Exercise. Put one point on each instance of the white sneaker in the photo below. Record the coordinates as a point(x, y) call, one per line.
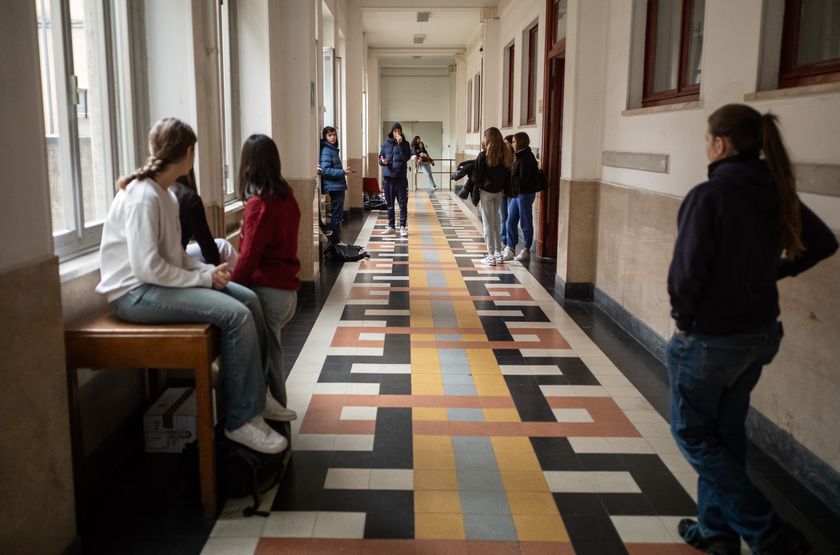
point(259, 436)
point(523, 255)
point(390, 231)
point(403, 232)
point(507, 254)
point(275, 411)
point(498, 257)
point(490, 260)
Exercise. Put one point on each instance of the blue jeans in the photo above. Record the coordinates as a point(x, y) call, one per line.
point(337, 213)
point(427, 169)
point(279, 307)
point(236, 311)
point(503, 216)
point(711, 380)
point(521, 213)
point(396, 188)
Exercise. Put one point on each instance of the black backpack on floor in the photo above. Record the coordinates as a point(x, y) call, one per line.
point(345, 253)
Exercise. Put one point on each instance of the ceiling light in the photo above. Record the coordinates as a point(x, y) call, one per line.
point(422, 17)
point(418, 39)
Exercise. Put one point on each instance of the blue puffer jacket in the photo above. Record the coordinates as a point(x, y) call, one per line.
point(397, 154)
point(332, 173)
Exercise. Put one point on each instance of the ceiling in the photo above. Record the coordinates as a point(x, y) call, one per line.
point(390, 29)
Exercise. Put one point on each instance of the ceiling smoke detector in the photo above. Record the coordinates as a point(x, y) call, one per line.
point(418, 39)
point(422, 17)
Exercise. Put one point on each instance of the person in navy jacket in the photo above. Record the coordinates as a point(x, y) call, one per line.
point(393, 157)
point(739, 232)
point(333, 180)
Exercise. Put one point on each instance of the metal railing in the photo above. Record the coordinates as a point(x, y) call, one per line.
point(448, 163)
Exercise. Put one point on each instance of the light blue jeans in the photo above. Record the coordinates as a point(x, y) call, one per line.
point(427, 169)
point(236, 311)
point(279, 308)
point(711, 379)
point(488, 207)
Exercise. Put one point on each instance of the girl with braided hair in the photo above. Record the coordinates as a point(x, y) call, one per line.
point(149, 279)
point(739, 232)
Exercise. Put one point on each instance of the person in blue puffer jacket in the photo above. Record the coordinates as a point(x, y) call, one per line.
point(393, 157)
point(333, 180)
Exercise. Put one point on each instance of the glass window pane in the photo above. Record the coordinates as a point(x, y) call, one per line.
point(61, 201)
point(819, 32)
point(667, 53)
point(695, 44)
point(560, 16)
point(90, 110)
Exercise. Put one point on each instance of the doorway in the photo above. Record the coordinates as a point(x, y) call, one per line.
point(552, 147)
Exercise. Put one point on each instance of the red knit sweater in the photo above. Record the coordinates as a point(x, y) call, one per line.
point(268, 244)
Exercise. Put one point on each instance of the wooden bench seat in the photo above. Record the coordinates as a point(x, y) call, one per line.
point(103, 341)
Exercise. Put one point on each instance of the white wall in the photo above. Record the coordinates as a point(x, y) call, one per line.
point(254, 89)
point(25, 223)
point(417, 98)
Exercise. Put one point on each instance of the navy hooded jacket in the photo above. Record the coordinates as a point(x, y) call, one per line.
point(727, 257)
point(397, 154)
point(332, 173)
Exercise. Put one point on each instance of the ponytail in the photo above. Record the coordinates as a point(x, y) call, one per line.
point(789, 215)
point(169, 139)
point(751, 132)
point(148, 171)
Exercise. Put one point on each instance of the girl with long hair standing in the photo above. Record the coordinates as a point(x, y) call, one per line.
point(739, 232)
point(268, 262)
point(149, 279)
point(492, 172)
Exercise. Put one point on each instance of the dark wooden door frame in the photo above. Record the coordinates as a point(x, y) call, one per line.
point(552, 133)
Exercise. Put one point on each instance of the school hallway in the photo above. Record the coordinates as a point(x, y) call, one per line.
point(447, 407)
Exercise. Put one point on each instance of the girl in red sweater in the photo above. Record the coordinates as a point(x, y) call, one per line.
point(268, 239)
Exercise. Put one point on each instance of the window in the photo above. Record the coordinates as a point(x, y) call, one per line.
point(673, 48)
point(509, 66)
point(531, 107)
point(79, 117)
point(469, 106)
point(810, 43)
point(477, 103)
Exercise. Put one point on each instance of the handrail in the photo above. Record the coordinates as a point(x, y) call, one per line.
point(449, 162)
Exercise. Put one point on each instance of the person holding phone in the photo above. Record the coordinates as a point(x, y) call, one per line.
point(394, 157)
point(333, 180)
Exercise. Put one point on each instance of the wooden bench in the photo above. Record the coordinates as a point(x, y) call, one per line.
point(101, 340)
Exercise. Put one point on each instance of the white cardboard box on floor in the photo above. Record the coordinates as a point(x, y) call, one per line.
point(169, 424)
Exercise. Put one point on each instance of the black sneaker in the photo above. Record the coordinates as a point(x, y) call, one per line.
point(723, 545)
point(787, 541)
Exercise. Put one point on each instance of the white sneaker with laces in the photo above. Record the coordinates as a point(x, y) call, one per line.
point(403, 232)
point(490, 260)
point(523, 255)
point(259, 436)
point(498, 257)
point(390, 231)
point(275, 411)
point(508, 254)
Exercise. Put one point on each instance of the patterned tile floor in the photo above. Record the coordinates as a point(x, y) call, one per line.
point(450, 407)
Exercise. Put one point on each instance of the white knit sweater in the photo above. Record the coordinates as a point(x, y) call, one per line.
point(141, 243)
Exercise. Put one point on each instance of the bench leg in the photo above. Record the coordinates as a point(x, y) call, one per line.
point(206, 440)
point(76, 445)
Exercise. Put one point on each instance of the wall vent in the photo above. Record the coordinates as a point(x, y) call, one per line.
point(418, 39)
point(422, 17)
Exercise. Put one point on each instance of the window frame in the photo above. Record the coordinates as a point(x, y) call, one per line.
point(531, 87)
point(477, 103)
point(469, 105)
point(109, 19)
point(510, 56)
point(792, 74)
point(683, 92)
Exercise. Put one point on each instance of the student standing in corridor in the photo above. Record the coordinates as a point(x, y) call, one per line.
point(393, 157)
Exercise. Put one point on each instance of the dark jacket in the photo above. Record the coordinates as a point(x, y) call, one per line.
point(487, 178)
point(418, 151)
point(526, 172)
point(727, 257)
point(397, 154)
point(332, 172)
point(194, 223)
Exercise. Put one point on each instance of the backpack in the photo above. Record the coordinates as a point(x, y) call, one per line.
point(542, 182)
point(240, 471)
point(345, 253)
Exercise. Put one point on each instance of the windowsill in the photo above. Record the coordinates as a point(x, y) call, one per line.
point(694, 105)
point(793, 92)
point(233, 215)
point(528, 126)
point(78, 266)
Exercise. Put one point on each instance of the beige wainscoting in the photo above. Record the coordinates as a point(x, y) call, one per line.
point(36, 475)
point(308, 243)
